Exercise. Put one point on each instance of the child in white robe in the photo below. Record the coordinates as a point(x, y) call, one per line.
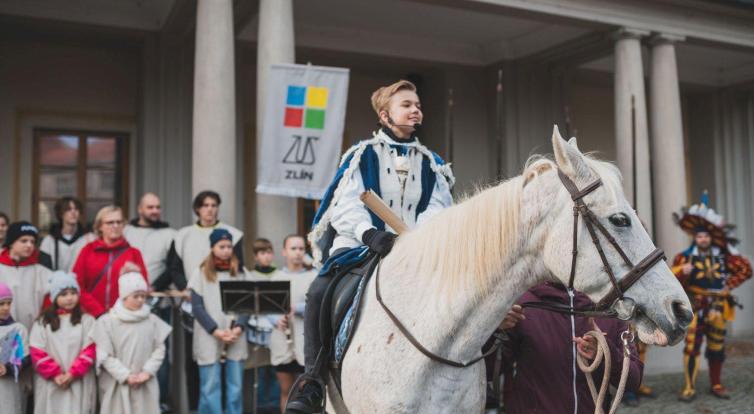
point(130, 348)
point(14, 352)
point(62, 353)
point(217, 336)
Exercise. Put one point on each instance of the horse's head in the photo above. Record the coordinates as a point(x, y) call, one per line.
point(663, 310)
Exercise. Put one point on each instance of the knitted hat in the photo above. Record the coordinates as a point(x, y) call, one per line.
point(219, 234)
point(61, 281)
point(130, 283)
point(5, 292)
point(18, 230)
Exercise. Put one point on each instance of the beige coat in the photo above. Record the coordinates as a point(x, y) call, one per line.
point(282, 351)
point(29, 285)
point(64, 345)
point(208, 349)
point(129, 343)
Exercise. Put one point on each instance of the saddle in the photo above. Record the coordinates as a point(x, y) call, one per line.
point(340, 311)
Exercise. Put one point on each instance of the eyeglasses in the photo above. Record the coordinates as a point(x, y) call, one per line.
point(112, 223)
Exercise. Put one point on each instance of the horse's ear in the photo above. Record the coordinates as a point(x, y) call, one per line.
point(567, 155)
point(573, 143)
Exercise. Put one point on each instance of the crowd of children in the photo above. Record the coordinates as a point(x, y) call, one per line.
point(58, 357)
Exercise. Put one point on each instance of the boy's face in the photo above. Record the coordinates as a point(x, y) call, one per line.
point(264, 258)
point(5, 308)
point(294, 251)
point(23, 247)
point(208, 211)
point(71, 215)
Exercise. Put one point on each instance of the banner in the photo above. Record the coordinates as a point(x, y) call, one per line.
point(302, 130)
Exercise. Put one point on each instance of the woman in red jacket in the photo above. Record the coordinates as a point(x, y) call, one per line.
point(100, 262)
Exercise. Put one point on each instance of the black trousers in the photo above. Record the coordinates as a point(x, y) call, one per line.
point(312, 340)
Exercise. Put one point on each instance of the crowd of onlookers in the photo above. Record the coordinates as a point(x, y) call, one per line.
point(88, 316)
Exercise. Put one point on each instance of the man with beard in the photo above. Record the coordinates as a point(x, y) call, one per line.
point(151, 236)
point(709, 269)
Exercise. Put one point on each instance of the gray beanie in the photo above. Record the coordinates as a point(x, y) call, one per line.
point(60, 281)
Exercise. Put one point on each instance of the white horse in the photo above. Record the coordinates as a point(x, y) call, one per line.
point(452, 280)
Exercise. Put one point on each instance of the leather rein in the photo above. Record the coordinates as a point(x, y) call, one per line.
point(605, 308)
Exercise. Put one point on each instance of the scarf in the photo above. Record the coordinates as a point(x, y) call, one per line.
point(265, 269)
point(120, 312)
point(222, 265)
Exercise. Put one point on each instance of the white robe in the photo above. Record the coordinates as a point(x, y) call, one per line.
point(192, 244)
point(154, 245)
point(11, 393)
point(29, 285)
point(208, 349)
point(67, 253)
point(63, 346)
point(281, 351)
point(128, 346)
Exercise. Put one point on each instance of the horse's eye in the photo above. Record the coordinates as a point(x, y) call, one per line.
point(620, 220)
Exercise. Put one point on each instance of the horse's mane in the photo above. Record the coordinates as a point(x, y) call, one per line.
point(465, 246)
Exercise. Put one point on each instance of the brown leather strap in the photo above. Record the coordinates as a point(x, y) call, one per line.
point(592, 222)
point(633, 276)
point(603, 257)
point(609, 237)
point(418, 345)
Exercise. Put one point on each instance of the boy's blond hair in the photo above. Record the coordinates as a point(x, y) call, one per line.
point(381, 97)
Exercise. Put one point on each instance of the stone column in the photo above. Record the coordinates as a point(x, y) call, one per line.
point(276, 216)
point(632, 141)
point(669, 157)
point(214, 119)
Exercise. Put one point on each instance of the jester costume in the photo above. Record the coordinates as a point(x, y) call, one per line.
point(714, 271)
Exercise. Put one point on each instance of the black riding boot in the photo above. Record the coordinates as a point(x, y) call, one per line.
point(310, 397)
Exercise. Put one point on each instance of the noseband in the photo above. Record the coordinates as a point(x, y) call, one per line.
point(615, 304)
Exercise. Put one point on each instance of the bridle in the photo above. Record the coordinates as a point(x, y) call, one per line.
point(615, 304)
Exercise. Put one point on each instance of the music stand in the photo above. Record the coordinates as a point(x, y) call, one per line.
point(255, 298)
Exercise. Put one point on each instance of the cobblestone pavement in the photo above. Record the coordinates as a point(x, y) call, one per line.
point(738, 377)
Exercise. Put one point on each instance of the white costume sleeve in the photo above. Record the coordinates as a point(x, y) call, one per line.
point(350, 217)
point(440, 200)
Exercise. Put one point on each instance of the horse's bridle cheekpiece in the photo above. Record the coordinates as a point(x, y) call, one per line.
point(615, 304)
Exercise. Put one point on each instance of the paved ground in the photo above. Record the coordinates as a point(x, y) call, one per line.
point(738, 376)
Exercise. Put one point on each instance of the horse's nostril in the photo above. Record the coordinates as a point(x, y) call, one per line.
point(681, 313)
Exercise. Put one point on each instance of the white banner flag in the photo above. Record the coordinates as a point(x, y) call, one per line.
point(302, 131)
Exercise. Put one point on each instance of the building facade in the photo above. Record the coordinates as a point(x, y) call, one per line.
point(108, 99)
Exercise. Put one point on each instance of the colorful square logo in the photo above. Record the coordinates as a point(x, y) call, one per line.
point(306, 107)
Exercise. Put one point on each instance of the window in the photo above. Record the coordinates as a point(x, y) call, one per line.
point(89, 166)
point(307, 209)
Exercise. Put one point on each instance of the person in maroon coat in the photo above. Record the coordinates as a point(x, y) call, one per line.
point(541, 348)
point(99, 264)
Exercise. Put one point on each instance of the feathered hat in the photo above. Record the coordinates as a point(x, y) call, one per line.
point(700, 217)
